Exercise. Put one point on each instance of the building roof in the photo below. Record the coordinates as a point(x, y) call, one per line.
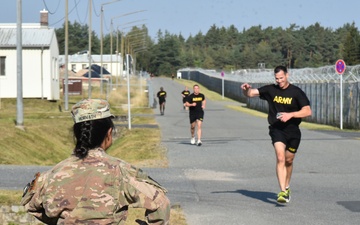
point(83, 58)
point(32, 36)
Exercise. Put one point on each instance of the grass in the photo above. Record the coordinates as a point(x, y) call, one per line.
point(45, 140)
point(46, 137)
point(10, 197)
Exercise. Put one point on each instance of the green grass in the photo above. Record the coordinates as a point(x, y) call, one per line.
point(47, 135)
point(47, 138)
point(9, 197)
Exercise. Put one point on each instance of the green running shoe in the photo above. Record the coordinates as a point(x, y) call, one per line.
point(283, 197)
point(288, 191)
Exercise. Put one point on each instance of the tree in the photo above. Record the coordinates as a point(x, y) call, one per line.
point(221, 47)
point(166, 57)
point(78, 39)
point(352, 46)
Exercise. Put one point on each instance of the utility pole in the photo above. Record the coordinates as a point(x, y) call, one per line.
point(101, 39)
point(89, 52)
point(19, 100)
point(66, 84)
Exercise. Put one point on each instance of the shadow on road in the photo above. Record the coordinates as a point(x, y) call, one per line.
point(268, 197)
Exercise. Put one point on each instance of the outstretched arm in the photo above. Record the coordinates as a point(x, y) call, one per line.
point(248, 91)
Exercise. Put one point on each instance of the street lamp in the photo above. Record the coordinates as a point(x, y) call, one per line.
point(111, 32)
point(122, 50)
point(102, 38)
point(128, 82)
point(140, 49)
point(133, 36)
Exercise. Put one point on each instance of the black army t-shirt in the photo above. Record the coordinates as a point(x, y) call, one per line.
point(290, 99)
point(198, 99)
point(161, 95)
point(186, 94)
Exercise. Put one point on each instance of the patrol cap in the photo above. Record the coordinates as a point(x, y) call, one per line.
point(91, 109)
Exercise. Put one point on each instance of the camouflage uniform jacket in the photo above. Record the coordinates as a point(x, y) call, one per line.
point(95, 190)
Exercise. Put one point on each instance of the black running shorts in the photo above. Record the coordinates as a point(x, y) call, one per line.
point(196, 116)
point(291, 138)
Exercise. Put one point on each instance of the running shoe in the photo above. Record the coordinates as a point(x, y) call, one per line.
point(283, 197)
point(192, 141)
point(199, 143)
point(288, 191)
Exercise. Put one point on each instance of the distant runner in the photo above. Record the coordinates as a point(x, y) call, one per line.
point(185, 93)
point(162, 99)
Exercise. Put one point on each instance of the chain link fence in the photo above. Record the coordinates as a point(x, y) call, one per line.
point(322, 86)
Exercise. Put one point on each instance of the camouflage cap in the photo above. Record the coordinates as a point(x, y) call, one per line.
point(90, 109)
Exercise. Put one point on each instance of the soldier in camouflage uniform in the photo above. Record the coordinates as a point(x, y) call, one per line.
point(91, 187)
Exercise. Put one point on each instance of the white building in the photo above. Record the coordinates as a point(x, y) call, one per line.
point(40, 66)
point(77, 62)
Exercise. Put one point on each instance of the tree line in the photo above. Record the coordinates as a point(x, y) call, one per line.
point(224, 48)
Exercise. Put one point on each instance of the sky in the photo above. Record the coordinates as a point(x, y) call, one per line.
point(187, 17)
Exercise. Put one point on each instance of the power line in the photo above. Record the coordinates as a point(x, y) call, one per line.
point(47, 8)
point(76, 3)
point(96, 14)
point(77, 13)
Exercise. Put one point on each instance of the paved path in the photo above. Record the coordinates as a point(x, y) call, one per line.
point(231, 178)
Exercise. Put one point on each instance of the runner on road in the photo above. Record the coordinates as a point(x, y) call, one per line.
point(185, 93)
point(196, 103)
point(162, 99)
point(287, 105)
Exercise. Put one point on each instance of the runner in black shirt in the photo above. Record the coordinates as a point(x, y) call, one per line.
point(196, 103)
point(162, 99)
point(185, 93)
point(287, 105)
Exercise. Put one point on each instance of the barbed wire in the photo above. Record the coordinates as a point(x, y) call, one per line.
point(326, 74)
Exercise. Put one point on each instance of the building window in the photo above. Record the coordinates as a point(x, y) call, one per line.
point(2, 65)
point(84, 66)
point(73, 67)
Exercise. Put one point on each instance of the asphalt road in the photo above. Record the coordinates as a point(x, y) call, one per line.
point(231, 178)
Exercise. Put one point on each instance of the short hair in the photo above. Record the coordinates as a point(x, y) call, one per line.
point(280, 68)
